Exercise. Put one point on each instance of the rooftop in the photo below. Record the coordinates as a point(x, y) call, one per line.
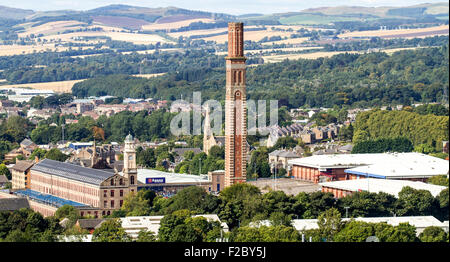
point(23, 165)
point(420, 222)
point(47, 199)
point(11, 204)
point(170, 178)
point(389, 186)
point(71, 171)
point(134, 224)
point(379, 165)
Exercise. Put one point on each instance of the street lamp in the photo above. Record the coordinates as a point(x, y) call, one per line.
point(346, 211)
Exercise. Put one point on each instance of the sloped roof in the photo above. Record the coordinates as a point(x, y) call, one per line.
point(71, 171)
point(3, 179)
point(11, 204)
point(26, 142)
point(90, 223)
point(23, 165)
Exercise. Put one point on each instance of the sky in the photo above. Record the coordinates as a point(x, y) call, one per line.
point(234, 7)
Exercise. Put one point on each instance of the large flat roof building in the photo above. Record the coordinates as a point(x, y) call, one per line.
point(411, 166)
point(373, 185)
point(167, 182)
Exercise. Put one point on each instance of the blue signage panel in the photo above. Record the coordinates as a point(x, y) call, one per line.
point(155, 180)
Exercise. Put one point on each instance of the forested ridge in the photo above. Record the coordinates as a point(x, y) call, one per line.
point(419, 129)
point(346, 79)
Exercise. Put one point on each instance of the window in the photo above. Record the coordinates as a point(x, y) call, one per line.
point(132, 180)
point(121, 193)
point(105, 193)
point(121, 203)
point(105, 204)
point(112, 182)
point(121, 181)
point(112, 203)
point(112, 193)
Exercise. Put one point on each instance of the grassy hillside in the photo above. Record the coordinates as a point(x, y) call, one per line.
point(14, 13)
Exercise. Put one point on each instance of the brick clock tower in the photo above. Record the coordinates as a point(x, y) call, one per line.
point(235, 108)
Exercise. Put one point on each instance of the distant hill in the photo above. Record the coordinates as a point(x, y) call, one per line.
point(133, 17)
point(14, 13)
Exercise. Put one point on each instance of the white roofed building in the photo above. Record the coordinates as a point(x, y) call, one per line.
point(136, 224)
point(419, 222)
point(411, 166)
point(373, 185)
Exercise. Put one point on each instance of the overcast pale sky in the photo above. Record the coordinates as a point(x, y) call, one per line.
point(235, 7)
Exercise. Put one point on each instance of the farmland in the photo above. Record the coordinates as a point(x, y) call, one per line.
point(118, 36)
point(8, 50)
point(58, 86)
point(173, 25)
point(436, 30)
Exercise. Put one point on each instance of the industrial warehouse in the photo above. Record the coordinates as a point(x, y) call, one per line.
point(402, 166)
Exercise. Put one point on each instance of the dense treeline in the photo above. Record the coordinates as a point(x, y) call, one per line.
point(376, 42)
point(114, 63)
point(419, 129)
point(142, 125)
point(346, 79)
point(383, 145)
point(352, 79)
point(242, 204)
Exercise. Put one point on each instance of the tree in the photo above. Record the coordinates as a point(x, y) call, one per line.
point(181, 227)
point(68, 211)
point(4, 171)
point(136, 204)
point(329, 224)
point(433, 234)
point(412, 202)
point(404, 232)
point(39, 153)
point(110, 231)
point(287, 142)
point(57, 155)
point(438, 180)
point(355, 231)
point(279, 233)
point(442, 205)
point(195, 199)
point(146, 236)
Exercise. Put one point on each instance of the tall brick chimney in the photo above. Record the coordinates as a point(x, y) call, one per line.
point(235, 108)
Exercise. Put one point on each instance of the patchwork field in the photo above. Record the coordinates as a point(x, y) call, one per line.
point(314, 55)
point(174, 25)
point(119, 36)
point(288, 49)
point(59, 86)
point(116, 21)
point(52, 28)
point(8, 50)
point(199, 32)
point(435, 30)
point(280, 58)
point(310, 19)
point(290, 41)
point(250, 35)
